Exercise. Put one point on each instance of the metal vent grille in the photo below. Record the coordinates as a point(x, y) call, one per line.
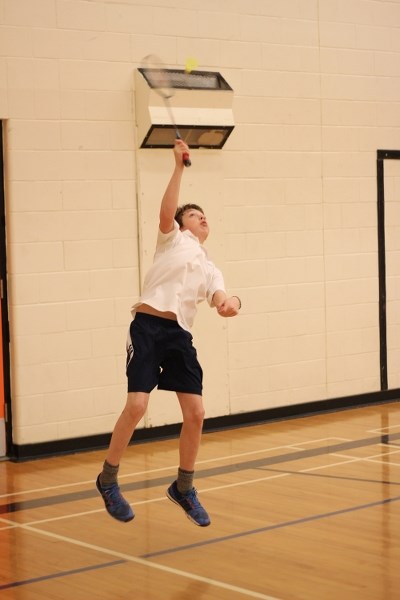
point(195, 80)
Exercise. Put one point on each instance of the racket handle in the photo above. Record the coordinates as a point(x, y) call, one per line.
point(186, 160)
point(185, 156)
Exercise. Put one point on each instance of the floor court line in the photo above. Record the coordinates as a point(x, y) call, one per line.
point(203, 490)
point(169, 468)
point(275, 526)
point(144, 559)
point(327, 439)
point(201, 473)
point(15, 584)
point(248, 593)
point(376, 457)
point(388, 444)
point(159, 499)
point(386, 463)
point(386, 429)
point(150, 564)
point(227, 457)
point(338, 477)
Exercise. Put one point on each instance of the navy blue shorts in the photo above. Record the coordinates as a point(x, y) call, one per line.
point(160, 354)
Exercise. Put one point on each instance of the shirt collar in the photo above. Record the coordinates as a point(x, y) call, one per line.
point(190, 234)
point(195, 238)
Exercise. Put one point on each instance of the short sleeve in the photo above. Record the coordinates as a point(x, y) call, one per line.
point(164, 239)
point(217, 283)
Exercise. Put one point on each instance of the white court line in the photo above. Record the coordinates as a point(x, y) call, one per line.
point(9, 524)
point(394, 446)
point(336, 464)
point(159, 499)
point(349, 459)
point(372, 456)
point(172, 571)
point(385, 464)
point(328, 439)
point(395, 450)
point(151, 565)
point(348, 456)
point(160, 469)
point(383, 429)
point(204, 490)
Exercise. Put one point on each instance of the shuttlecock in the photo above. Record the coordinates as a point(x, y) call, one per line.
point(190, 64)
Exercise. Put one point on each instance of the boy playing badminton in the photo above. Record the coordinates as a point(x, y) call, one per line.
point(159, 348)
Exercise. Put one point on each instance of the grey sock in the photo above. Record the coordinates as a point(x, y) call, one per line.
point(109, 474)
point(185, 481)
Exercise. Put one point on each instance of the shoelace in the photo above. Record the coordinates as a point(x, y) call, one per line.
point(113, 495)
point(192, 499)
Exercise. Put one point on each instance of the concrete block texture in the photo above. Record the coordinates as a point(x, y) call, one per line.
point(291, 200)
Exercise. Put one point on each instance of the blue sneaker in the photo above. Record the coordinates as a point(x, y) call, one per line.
point(116, 505)
point(190, 504)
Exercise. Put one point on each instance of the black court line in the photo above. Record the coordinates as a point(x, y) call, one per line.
point(235, 536)
point(14, 584)
point(11, 507)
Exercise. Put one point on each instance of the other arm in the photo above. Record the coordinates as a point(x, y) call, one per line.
point(226, 307)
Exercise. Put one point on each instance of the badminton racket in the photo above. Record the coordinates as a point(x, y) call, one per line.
point(160, 80)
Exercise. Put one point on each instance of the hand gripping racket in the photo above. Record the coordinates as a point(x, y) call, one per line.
point(160, 80)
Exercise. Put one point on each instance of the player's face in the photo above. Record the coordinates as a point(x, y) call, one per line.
point(195, 221)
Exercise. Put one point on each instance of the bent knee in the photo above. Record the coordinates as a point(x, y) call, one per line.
point(136, 405)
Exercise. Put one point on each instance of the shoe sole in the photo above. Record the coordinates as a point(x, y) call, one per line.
point(187, 514)
point(108, 512)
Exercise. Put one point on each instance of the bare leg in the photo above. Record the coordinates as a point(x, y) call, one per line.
point(106, 482)
point(135, 407)
point(189, 441)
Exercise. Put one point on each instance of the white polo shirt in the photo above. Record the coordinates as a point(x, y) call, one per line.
point(181, 276)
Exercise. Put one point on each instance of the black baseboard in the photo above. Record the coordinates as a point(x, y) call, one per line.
point(96, 442)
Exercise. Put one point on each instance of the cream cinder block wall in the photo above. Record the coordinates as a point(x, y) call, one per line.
point(291, 199)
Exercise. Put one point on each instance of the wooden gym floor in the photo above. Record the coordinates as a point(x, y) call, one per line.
point(302, 509)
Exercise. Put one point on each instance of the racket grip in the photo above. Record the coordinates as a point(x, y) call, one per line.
point(186, 160)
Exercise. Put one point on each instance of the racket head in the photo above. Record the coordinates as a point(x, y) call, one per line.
point(160, 81)
point(157, 75)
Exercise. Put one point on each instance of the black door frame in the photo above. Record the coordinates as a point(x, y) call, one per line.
point(4, 306)
point(382, 155)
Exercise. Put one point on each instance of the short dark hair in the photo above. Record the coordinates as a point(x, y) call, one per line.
point(180, 211)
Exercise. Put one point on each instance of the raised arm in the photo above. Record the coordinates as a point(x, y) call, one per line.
point(169, 202)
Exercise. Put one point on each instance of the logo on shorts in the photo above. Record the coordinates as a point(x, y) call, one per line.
point(129, 349)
